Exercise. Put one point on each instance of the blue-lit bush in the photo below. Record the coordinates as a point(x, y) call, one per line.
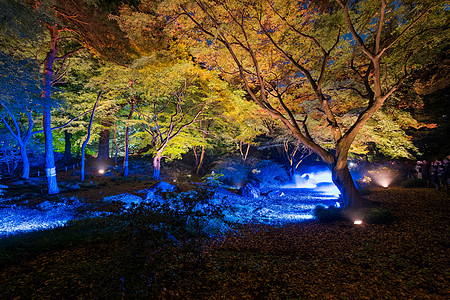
point(234, 172)
point(268, 174)
point(180, 215)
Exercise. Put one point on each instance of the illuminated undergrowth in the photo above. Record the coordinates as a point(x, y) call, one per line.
point(278, 205)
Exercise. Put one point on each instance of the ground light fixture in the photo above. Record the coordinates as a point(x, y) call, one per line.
point(101, 171)
point(358, 222)
point(384, 183)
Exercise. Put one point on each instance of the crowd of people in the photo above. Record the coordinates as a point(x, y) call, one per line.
point(436, 173)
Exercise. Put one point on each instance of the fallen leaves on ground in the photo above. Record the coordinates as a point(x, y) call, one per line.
point(407, 259)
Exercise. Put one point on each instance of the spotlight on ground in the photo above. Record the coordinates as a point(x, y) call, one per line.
point(384, 182)
point(357, 222)
point(101, 171)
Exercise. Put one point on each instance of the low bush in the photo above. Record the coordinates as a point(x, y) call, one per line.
point(379, 215)
point(233, 172)
point(414, 183)
point(268, 174)
point(180, 215)
point(327, 214)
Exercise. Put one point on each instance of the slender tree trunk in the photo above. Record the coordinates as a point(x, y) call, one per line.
point(21, 142)
point(127, 135)
point(241, 149)
point(25, 161)
point(50, 168)
point(194, 149)
point(103, 142)
point(115, 143)
point(291, 172)
point(157, 167)
point(200, 162)
point(88, 136)
point(67, 146)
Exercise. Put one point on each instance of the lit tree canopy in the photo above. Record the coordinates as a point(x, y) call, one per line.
point(176, 97)
point(291, 55)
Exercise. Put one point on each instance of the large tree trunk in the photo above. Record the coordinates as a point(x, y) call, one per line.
point(344, 182)
point(157, 167)
point(354, 204)
point(103, 142)
point(50, 168)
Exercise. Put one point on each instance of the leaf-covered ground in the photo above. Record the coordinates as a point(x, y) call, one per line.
point(406, 259)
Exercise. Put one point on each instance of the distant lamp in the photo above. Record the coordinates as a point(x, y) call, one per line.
point(101, 171)
point(383, 177)
point(357, 222)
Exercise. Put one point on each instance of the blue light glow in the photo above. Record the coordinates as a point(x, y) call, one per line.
point(319, 181)
point(15, 220)
point(291, 203)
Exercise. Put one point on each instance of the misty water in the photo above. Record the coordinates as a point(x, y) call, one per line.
point(293, 202)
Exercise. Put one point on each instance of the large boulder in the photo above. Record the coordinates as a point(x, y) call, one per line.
point(249, 191)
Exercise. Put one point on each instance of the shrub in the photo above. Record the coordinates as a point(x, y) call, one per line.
point(268, 174)
point(233, 172)
point(213, 179)
point(180, 215)
point(379, 215)
point(327, 214)
point(414, 183)
point(163, 237)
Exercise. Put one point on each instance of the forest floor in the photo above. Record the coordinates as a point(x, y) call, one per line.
point(405, 259)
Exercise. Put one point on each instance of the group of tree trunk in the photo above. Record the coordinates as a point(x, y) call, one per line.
point(315, 80)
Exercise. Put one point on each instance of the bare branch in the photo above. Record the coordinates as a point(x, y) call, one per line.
point(66, 124)
point(69, 54)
